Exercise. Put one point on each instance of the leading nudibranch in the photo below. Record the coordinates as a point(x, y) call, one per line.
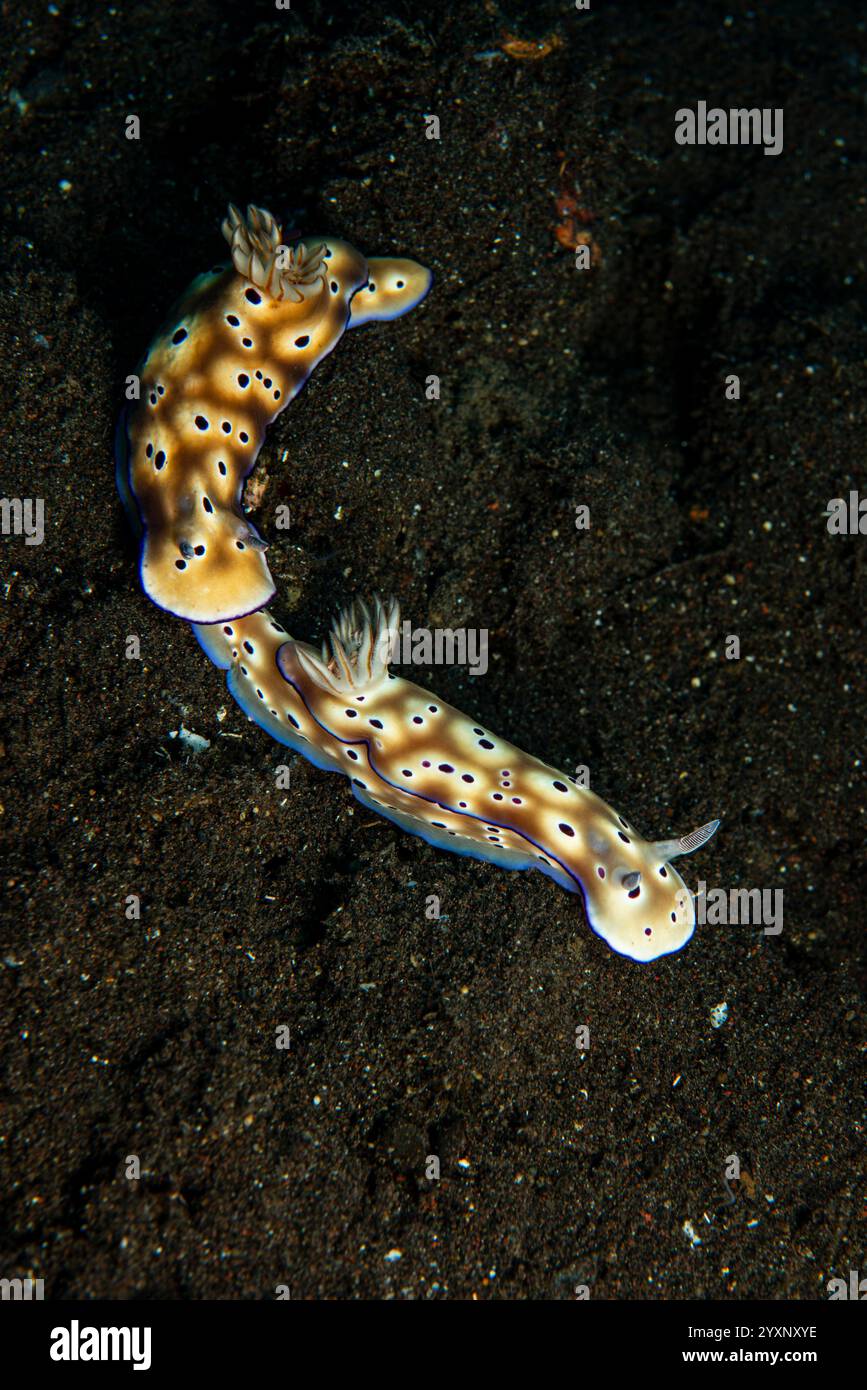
point(237, 348)
point(240, 345)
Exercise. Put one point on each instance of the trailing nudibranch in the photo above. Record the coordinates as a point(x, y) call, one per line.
point(240, 345)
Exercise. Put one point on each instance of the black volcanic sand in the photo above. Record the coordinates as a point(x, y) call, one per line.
point(263, 907)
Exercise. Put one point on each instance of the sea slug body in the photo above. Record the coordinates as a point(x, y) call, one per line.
point(238, 348)
point(235, 351)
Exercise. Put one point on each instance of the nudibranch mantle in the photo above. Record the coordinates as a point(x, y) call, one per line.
point(237, 348)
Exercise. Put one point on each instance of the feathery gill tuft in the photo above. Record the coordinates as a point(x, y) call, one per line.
point(361, 644)
point(258, 253)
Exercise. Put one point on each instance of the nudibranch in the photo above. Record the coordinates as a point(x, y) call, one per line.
point(239, 346)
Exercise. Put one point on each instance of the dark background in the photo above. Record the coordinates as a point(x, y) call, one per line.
point(263, 907)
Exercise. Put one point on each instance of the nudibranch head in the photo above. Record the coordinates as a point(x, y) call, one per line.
point(635, 899)
point(210, 560)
